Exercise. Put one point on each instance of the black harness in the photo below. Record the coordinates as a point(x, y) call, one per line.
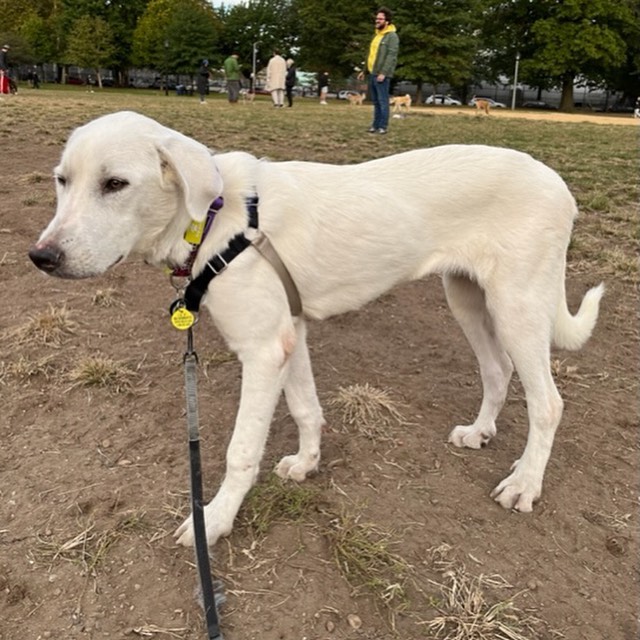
point(198, 286)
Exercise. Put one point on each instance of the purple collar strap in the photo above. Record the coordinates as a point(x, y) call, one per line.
point(184, 271)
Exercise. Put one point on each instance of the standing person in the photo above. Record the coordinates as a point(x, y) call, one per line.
point(232, 73)
point(290, 80)
point(381, 64)
point(276, 77)
point(4, 70)
point(202, 81)
point(323, 86)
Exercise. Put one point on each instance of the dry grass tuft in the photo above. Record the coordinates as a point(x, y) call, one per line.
point(36, 177)
point(106, 298)
point(25, 369)
point(466, 611)
point(151, 630)
point(90, 547)
point(49, 328)
point(98, 371)
point(370, 410)
point(364, 556)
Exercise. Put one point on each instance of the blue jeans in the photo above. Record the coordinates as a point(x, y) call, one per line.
point(380, 95)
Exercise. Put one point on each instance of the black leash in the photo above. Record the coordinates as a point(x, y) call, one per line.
point(197, 502)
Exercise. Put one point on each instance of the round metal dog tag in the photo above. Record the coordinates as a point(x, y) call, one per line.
point(182, 319)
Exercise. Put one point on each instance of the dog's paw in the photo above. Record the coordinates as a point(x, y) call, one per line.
point(472, 436)
point(184, 533)
point(517, 491)
point(214, 528)
point(297, 467)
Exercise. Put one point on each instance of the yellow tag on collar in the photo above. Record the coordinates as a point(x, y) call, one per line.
point(182, 319)
point(193, 234)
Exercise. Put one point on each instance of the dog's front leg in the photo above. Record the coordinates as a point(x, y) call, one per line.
point(302, 400)
point(262, 379)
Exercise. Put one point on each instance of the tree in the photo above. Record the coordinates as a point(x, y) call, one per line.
point(90, 44)
point(561, 40)
point(333, 36)
point(269, 24)
point(579, 37)
point(174, 35)
point(438, 40)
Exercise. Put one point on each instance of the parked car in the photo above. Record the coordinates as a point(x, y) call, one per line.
point(74, 80)
point(492, 103)
point(538, 104)
point(441, 99)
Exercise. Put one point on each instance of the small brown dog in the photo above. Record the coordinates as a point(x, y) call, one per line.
point(400, 102)
point(355, 99)
point(247, 96)
point(482, 105)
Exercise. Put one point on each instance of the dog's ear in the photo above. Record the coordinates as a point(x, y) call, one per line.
point(192, 166)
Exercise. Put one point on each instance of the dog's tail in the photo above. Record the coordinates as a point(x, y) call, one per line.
point(571, 332)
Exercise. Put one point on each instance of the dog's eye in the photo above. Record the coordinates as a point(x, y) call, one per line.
point(60, 180)
point(114, 184)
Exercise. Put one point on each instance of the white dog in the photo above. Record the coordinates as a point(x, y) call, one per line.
point(494, 223)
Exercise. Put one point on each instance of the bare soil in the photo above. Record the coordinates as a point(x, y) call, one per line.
point(94, 482)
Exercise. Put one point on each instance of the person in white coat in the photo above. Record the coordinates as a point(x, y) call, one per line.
point(276, 78)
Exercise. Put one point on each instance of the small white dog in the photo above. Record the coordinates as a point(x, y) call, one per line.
point(495, 223)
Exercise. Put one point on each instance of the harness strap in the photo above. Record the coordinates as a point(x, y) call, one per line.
point(196, 289)
point(266, 250)
point(198, 286)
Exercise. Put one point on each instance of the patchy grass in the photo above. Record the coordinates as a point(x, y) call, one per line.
point(276, 500)
point(26, 368)
point(365, 557)
point(49, 328)
point(99, 371)
point(467, 612)
point(369, 410)
point(106, 298)
point(90, 546)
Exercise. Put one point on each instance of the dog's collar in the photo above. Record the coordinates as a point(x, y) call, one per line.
point(194, 235)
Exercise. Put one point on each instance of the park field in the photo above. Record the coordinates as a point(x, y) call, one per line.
point(396, 536)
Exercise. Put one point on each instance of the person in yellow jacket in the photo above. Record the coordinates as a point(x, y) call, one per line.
point(381, 65)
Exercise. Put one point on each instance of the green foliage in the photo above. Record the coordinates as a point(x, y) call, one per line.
point(334, 36)
point(39, 36)
point(437, 40)
point(174, 35)
point(454, 42)
point(90, 43)
point(271, 24)
point(559, 41)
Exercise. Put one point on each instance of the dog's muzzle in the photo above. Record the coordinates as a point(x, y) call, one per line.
point(47, 258)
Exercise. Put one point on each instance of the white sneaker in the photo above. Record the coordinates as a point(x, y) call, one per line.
point(322, 102)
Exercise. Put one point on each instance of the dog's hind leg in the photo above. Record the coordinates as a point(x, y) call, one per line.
point(302, 400)
point(467, 302)
point(526, 336)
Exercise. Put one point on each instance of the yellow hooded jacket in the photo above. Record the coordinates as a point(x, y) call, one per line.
point(383, 52)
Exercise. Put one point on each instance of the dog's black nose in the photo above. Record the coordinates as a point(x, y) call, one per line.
point(46, 258)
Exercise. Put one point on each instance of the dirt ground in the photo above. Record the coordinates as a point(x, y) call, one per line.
point(93, 482)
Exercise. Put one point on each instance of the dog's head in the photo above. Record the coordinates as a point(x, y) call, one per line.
point(123, 181)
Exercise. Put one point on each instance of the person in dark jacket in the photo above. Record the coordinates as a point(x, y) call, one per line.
point(202, 81)
point(381, 65)
point(290, 81)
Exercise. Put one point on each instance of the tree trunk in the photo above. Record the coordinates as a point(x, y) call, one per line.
point(566, 101)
